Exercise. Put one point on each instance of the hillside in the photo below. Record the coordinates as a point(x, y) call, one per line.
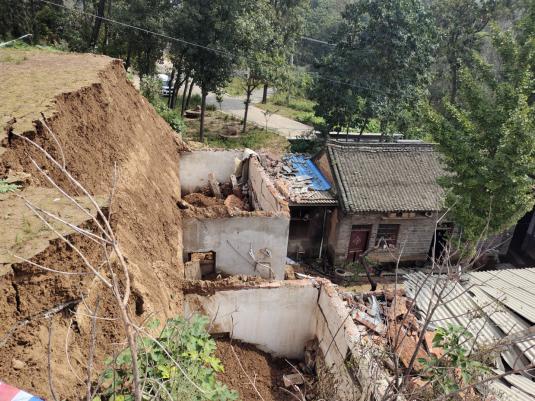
point(101, 121)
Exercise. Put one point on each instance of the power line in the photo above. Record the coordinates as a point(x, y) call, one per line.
point(208, 48)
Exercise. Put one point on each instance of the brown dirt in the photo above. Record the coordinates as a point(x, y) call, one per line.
point(262, 368)
point(201, 200)
point(100, 119)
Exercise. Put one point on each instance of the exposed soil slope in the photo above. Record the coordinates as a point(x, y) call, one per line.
point(101, 121)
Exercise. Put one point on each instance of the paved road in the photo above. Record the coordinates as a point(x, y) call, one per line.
point(235, 105)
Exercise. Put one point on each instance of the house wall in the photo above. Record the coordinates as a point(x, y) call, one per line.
point(232, 238)
point(280, 317)
point(414, 237)
point(264, 194)
point(196, 165)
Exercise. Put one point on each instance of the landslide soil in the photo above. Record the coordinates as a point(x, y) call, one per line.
point(101, 121)
point(264, 370)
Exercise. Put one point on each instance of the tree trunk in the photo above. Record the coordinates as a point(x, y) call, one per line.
point(362, 130)
point(347, 133)
point(189, 92)
point(107, 28)
point(176, 89)
point(128, 56)
point(184, 95)
point(98, 23)
point(203, 108)
point(249, 90)
point(170, 98)
point(264, 94)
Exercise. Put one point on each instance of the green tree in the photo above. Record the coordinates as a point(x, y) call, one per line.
point(488, 140)
point(382, 58)
point(460, 23)
point(214, 24)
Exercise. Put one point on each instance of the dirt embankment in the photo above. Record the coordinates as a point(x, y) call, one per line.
point(101, 121)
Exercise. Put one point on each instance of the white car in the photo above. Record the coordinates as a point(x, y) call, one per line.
point(166, 84)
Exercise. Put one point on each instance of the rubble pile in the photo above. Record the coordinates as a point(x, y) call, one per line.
point(387, 316)
point(289, 176)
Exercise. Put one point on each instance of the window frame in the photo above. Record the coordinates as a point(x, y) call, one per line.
point(391, 237)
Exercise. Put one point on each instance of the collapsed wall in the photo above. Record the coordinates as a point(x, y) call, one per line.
point(102, 123)
point(282, 317)
point(238, 238)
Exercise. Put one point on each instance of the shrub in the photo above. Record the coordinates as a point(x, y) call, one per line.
point(5, 187)
point(171, 116)
point(189, 345)
point(150, 87)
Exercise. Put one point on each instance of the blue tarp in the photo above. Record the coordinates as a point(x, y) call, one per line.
point(305, 167)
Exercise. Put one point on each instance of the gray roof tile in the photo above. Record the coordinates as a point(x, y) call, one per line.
point(387, 177)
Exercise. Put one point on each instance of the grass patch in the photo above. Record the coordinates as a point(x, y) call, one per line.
point(217, 123)
point(298, 109)
point(236, 87)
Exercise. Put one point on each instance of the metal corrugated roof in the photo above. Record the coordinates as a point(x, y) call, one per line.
point(490, 305)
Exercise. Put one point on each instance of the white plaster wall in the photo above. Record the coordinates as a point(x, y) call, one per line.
point(231, 238)
point(278, 320)
point(195, 166)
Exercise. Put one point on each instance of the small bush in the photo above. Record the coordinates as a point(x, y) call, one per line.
point(188, 343)
point(211, 107)
point(5, 187)
point(150, 87)
point(172, 117)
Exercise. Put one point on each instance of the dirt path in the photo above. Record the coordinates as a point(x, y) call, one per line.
point(234, 105)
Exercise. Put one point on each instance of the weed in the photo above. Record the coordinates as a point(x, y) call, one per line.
point(188, 343)
point(6, 187)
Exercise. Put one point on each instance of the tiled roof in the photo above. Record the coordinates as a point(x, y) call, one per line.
point(386, 177)
point(316, 198)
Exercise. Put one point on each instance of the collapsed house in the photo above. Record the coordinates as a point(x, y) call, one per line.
point(234, 221)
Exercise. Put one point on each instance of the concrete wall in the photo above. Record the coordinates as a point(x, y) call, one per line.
point(348, 353)
point(265, 196)
point(195, 166)
point(414, 237)
point(231, 238)
point(278, 319)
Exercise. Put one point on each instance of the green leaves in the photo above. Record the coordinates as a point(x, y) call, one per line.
point(488, 141)
point(5, 187)
point(457, 367)
point(187, 343)
point(382, 58)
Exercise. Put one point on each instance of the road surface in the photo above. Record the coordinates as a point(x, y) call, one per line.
point(235, 106)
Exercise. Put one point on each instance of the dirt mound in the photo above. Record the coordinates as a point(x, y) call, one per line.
point(200, 200)
point(101, 122)
point(262, 368)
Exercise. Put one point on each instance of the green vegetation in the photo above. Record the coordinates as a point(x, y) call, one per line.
point(150, 88)
point(236, 87)
point(6, 187)
point(189, 350)
point(488, 140)
point(218, 123)
point(297, 108)
point(458, 367)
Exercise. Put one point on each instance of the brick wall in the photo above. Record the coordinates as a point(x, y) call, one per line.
point(414, 237)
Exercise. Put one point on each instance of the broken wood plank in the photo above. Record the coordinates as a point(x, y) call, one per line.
point(398, 307)
point(214, 185)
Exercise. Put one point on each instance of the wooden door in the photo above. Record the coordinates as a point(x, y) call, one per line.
point(358, 242)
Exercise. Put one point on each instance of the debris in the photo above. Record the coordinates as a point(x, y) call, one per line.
point(292, 379)
point(214, 185)
point(235, 187)
point(405, 346)
point(366, 320)
point(233, 202)
point(397, 308)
